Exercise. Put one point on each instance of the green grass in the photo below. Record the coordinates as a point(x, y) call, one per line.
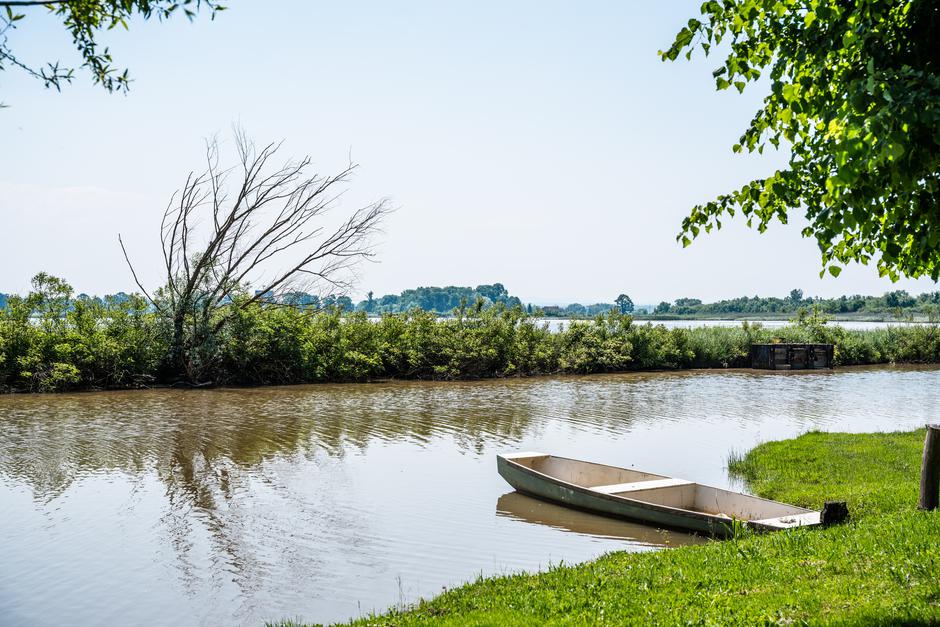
point(876, 473)
point(882, 567)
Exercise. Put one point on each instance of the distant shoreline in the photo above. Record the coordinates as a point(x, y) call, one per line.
point(779, 318)
point(722, 318)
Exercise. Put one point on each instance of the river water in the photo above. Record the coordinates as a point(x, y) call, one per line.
point(325, 502)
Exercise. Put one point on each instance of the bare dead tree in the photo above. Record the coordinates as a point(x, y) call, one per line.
point(217, 238)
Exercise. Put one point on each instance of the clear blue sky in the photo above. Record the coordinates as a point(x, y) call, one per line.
point(539, 144)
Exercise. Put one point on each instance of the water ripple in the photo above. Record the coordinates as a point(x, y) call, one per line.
point(236, 506)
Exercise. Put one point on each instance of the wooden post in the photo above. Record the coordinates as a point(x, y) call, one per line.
point(930, 470)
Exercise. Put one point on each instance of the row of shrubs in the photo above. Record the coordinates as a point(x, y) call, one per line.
point(49, 345)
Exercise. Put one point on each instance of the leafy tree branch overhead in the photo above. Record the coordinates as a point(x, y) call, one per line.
point(84, 20)
point(855, 92)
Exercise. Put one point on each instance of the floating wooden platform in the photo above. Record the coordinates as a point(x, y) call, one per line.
point(792, 356)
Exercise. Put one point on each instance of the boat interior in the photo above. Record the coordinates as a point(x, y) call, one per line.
point(659, 490)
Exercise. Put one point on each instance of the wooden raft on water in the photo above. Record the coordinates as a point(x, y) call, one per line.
point(792, 356)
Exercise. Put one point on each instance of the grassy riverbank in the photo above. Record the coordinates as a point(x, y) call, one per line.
point(52, 343)
point(880, 568)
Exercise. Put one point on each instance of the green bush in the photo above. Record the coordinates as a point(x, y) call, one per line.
point(50, 341)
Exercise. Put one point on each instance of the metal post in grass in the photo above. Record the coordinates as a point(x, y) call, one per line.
point(930, 470)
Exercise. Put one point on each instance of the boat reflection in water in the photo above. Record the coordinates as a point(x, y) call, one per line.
point(518, 506)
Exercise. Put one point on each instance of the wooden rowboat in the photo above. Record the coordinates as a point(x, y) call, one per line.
point(646, 497)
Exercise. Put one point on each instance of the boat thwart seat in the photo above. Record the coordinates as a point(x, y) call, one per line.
point(617, 488)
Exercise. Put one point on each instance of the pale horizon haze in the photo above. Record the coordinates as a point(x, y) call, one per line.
point(542, 145)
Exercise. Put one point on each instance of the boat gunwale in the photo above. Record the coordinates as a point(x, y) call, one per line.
point(666, 509)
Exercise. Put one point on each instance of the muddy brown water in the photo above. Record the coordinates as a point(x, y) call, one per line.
point(327, 502)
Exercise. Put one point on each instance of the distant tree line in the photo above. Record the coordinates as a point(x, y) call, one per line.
point(889, 303)
point(440, 300)
point(575, 310)
point(444, 300)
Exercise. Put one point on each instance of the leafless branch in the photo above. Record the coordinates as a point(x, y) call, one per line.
point(134, 273)
point(214, 243)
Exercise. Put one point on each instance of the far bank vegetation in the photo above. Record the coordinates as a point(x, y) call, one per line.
point(53, 341)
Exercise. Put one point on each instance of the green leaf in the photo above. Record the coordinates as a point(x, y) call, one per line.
point(855, 92)
point(895, 151)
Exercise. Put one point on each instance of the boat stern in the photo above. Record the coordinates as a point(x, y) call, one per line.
point(806, 519)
